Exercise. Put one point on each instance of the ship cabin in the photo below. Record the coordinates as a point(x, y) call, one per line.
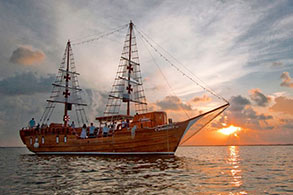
point(145, 120)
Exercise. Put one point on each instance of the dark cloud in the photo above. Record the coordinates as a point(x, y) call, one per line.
point(250, 114)
point(238, 103)
point(173, 103)
point(26, 55)
point(241, 113)
point(259, 98)
point(204, 98)
point(286, 80)
point(15, 112)
point(283, 104)
point(26, 84)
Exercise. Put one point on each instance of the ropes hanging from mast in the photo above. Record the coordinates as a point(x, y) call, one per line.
point(163, 75)
point(101, 36)
point(143, 36)
point(151, 43)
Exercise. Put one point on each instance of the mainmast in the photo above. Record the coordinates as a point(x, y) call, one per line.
point(129, 89)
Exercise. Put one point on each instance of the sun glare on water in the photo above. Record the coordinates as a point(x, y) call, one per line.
point(230, 130)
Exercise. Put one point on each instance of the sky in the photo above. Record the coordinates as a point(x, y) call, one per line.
point(242, 50)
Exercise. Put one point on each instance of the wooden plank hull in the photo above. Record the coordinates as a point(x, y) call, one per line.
point(159, 140)
point(156, 138)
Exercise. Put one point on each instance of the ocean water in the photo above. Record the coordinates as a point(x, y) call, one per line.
point(193, 170)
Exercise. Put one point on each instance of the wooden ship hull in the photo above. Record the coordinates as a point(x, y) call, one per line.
point(162, 139)
point(153, 136)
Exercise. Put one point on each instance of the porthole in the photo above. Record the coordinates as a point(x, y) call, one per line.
point(43, 140)
point(65, 139)
point(57, 139)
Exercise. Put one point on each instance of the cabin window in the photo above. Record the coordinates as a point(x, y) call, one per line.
point(36, 140)
point(31, 141)
point(43, 140)
point(57, 139)
point(65, 139)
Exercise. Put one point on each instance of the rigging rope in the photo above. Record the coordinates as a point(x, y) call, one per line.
point(174, 66)
point(163, 75)
point(101, 36)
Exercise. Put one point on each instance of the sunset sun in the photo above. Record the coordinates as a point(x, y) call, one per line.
point(230, 130)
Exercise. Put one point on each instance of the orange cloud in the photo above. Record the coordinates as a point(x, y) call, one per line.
point(286, 80)
point(259, 98)
point(204, 98)
point(26, 55)
point(173, 103)
point(284, 105)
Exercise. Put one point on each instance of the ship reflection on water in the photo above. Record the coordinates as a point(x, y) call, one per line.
point(193, 170)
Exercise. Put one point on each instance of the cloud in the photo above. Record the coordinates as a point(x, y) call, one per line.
point(26, 55)
point(96, 101)
point(252, 115)
point(259, 98)
point(204, 98)
point(286, 80)
point(238, 103)
point(241, 113)
point(173, 103)
point(286, 123)
point(26, 84)
point(283, 104)
point(277, 64)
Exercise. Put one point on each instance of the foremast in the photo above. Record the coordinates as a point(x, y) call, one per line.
point(66, 91)
point(128, 86)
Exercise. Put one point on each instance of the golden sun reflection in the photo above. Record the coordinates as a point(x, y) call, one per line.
point(233, 160)
point(230, 130)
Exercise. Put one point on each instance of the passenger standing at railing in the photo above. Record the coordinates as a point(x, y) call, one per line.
point(32, 123)
point(83, 132)
point(92, 130)
point(105, 130)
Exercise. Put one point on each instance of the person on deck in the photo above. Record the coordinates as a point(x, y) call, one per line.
point(32, 123)
point(105, 130)
point(83, 132)
point(123, 124)
point(72, 124)
point(92, 130)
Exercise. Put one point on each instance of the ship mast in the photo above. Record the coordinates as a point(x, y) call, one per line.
point(129, 89)
point(128, 84)
point(66, 92)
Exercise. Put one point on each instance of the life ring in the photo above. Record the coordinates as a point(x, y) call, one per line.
point(36, 145)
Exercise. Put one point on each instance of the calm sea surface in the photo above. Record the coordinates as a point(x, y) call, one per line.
point(193, 170)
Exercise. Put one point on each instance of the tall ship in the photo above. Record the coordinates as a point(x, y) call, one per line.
point(126, 127)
